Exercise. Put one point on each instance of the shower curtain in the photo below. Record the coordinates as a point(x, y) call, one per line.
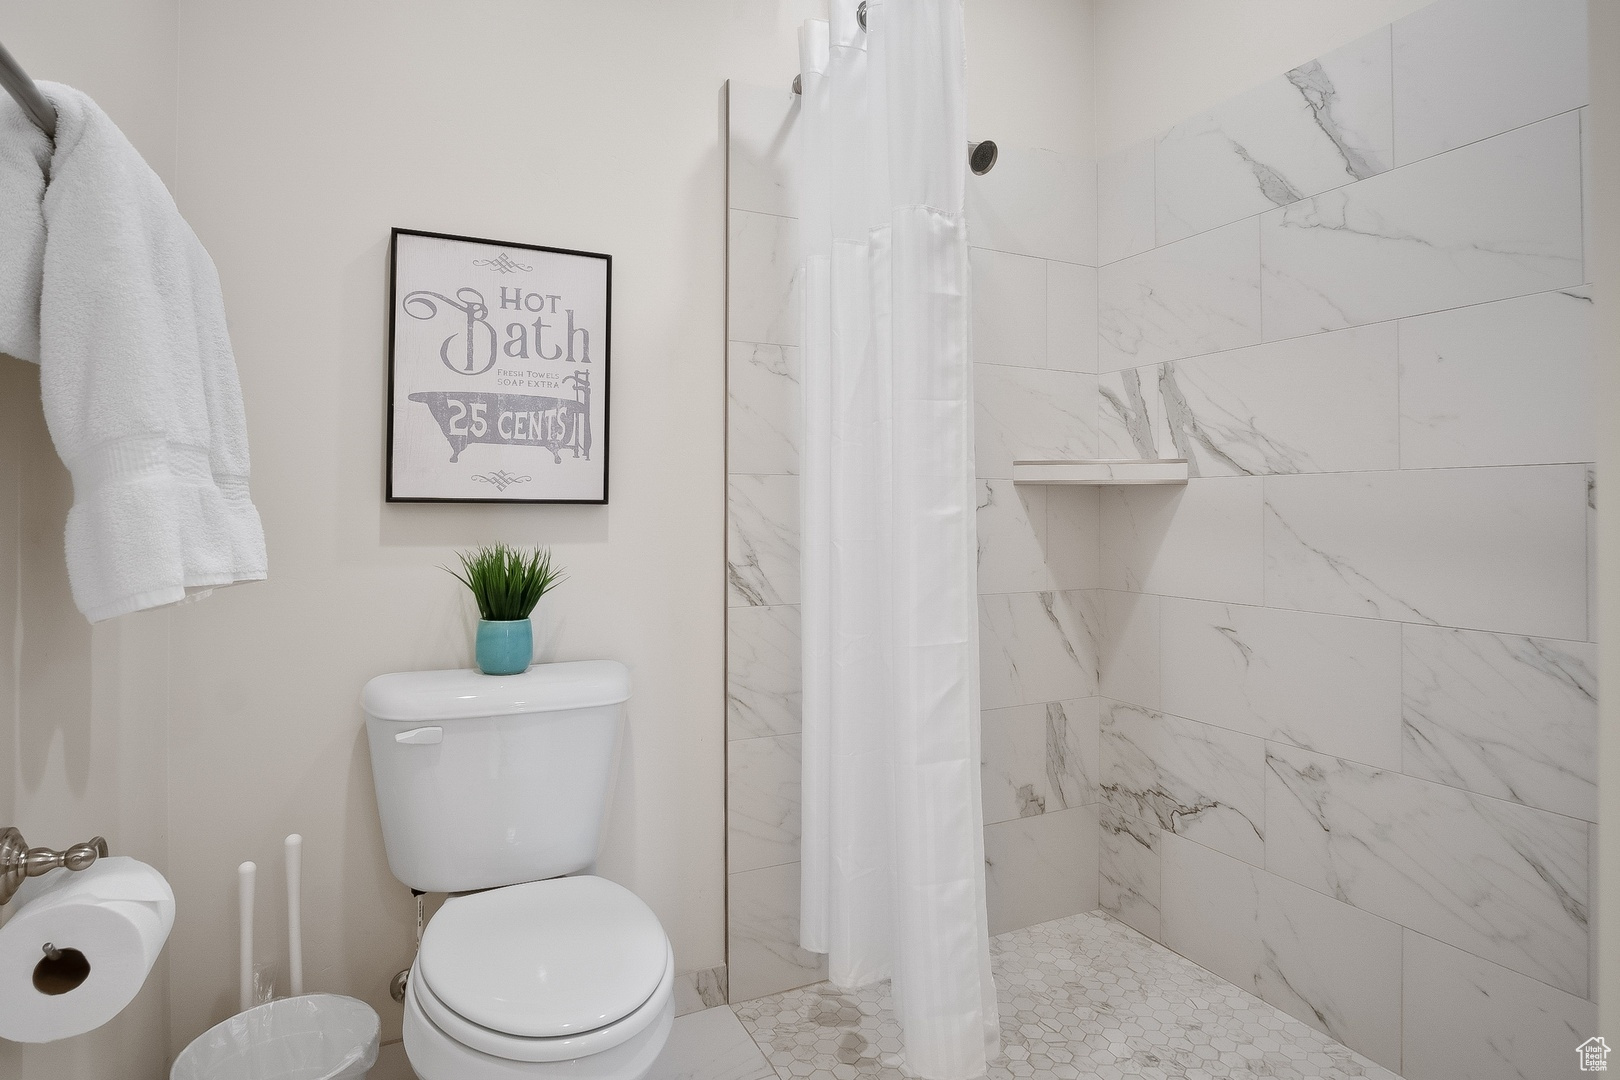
point(892, 848)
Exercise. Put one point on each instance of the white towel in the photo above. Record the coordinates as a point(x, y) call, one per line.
point(139, 384)
point(25, 154)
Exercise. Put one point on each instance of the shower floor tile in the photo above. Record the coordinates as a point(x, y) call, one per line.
point(1080, 997)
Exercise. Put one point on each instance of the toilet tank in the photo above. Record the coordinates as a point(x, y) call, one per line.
point(486, 780)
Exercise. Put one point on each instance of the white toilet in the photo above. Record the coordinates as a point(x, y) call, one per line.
point(494, 789)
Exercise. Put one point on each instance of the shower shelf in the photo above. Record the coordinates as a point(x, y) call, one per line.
point(1099, 472)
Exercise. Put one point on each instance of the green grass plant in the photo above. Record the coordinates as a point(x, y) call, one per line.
point(507, 582)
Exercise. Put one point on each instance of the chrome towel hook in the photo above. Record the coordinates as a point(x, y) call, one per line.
point(19, 862)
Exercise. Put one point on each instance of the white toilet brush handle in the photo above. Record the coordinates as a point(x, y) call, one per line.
point(295, 921)
point(245, 875)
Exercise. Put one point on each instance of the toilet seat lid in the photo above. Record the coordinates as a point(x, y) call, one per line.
point(546, 958)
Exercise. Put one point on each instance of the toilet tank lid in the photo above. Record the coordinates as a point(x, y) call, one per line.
point(416, 696)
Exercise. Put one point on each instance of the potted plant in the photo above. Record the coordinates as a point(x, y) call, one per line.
point(507, 583)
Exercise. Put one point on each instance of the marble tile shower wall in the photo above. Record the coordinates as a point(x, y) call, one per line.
point(1032, 222)
point(1347, 675)
point(1032, 227)
point(762, 552)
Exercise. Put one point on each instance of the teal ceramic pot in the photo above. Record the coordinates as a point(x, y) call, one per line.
point(505, 647)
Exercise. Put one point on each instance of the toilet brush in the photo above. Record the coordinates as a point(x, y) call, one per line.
point(295, 928)
point(244, 897)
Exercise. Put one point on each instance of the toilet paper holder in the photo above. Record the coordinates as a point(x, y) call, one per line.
point(19, 862)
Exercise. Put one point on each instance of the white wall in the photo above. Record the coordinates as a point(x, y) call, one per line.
point(1158, 62)
point(1029, 73)
point(81, 721)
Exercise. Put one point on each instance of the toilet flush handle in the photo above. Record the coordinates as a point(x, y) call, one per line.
point(422, 736)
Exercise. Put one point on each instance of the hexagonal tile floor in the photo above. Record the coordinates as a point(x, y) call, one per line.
point(1080, 997)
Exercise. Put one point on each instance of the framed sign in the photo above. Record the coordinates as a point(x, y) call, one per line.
point(497, 371)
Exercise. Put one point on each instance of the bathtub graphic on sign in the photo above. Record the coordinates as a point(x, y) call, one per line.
point(553, 424)
point(498, 372)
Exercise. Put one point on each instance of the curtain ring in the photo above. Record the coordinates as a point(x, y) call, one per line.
point(860, 14)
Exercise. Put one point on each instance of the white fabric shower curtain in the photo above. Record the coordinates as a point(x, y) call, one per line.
point(893, 840)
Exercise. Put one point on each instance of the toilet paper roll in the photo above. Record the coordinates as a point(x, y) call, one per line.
point(108, 924)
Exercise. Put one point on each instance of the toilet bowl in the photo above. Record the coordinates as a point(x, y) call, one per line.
point(493, 789)
point(567, 979)
point(436, 1056)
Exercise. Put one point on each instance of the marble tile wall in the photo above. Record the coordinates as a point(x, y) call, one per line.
point(762, 552)
point(1032, 225)
point(1348, 713)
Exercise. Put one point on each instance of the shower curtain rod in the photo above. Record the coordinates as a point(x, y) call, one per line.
point(21, 87)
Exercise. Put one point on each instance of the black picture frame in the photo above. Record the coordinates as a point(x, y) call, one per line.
point(560, 413)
